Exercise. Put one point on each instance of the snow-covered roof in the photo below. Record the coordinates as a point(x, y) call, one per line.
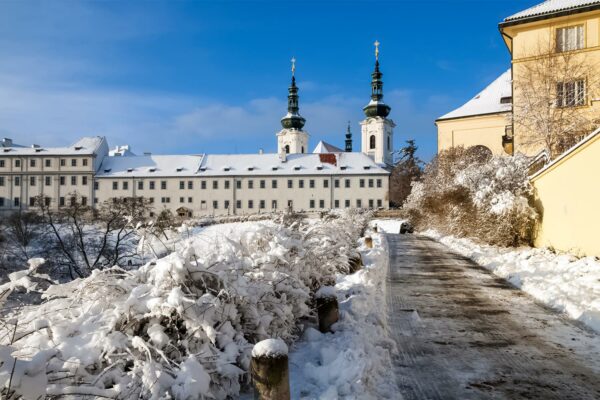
point(135, 166)
point(551, 7)
point(488, 101)
point(239, 165)
point(85, 146)
point(324, 147)
point(123, 151)
point(7, 142)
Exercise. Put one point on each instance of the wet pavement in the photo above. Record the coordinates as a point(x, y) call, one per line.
point(463, 333)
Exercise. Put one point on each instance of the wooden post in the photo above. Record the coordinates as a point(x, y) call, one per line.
point(327, 308)
point(270, 371)
point(369, 242)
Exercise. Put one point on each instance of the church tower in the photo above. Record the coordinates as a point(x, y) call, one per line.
point(292, 139)
point(377, 140)
point(348, 139)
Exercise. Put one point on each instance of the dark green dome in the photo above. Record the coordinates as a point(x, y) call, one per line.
point(376, 107)
point(293, 119)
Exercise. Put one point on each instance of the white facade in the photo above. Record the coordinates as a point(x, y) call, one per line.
point(292, 141)
point(377, 139)
point(191, 185)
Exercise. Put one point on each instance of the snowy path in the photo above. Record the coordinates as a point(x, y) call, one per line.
point(464, 334)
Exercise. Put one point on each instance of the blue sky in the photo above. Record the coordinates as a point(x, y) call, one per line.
point(194, 77)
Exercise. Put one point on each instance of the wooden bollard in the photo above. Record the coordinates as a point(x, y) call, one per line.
point(369, 242)
point(270, 371)
point(327, 308)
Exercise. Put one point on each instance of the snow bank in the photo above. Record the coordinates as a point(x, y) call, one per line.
point(355, 360)
point(388, 225)
point(270, 348)
point(563, 282)
point(182, 326)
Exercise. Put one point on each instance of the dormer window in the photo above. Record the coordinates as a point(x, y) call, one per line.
point(179, 169)
point(129, 169)
point(250, 168)
point(152, 169)
point(226, 168)
point(343, 167)
point(275, 168)
point(107, 170)
point(367, 167)
point(78, 147)
point(319, 167)
point(297, 168)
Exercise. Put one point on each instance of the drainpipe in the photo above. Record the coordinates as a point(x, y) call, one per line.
point(512, 85)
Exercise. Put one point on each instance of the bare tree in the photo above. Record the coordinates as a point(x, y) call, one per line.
point(87, 238)
point(551, 92)
point(407, 169)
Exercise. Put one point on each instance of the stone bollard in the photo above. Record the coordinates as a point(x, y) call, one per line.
point(327, 308)
point(270, 372)
point(369, 242)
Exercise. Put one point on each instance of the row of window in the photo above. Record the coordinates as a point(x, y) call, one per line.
point(47, 200)
point(47, 180)
point(203, 204)
point(262, 184)
point(47, 162)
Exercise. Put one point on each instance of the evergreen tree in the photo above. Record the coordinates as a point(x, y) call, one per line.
point(407, 169)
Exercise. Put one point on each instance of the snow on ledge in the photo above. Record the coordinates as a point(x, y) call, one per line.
point(270, 348)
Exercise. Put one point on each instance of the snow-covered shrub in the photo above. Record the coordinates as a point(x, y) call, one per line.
point(182, 326)
point(465, 193)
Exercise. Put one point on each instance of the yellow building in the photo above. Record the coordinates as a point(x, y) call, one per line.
point(481, 121)
point(567, 199)
point(555, 87)
point(555, 54)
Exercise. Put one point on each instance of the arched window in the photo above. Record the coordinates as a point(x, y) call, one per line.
point(287, 149)
point(389, 144)
point(372, 142)
point(302, 149)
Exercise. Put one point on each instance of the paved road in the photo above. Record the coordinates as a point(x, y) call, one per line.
point(464, 334)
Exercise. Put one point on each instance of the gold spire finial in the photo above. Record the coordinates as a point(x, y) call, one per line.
point(377, 50)
point(293, 65)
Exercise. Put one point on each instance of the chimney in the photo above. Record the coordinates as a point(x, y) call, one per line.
point(283, 156)
point(147, 153)
point(35, 146)
point(261, 151)
point(7, 142)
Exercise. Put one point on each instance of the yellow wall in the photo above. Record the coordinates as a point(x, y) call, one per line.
point(486, 130)
point(568, 194)
point(527, 41)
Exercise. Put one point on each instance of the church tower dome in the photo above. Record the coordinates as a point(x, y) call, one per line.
point(292, 139)
point(376, 107)
point(293, 119)
point(377, 131)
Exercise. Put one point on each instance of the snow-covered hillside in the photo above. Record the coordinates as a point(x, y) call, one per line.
point(184, 324)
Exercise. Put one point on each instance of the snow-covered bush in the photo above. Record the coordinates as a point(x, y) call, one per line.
point(182, 326)
point(465, 193)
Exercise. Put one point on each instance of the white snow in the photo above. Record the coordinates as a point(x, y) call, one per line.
point(388, 225)
point(549, 7)
point(487, 101)
point(561, 281)
point(183, 325)
point(270, 348)
point(353, 362)
point(326, 292)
